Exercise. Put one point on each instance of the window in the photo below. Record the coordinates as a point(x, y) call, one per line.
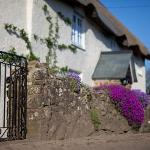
point(77, 31)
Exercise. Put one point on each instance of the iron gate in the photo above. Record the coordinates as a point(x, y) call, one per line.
point(13, 96)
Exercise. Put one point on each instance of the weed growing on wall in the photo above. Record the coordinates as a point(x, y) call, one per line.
point(95, 119)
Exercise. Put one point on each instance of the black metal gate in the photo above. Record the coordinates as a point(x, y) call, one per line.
point(13, 96)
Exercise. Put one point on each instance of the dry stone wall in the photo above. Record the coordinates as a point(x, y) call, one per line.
point(145, 128)
point(56, 112)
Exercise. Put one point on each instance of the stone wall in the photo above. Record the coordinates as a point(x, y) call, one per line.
point(55, 111)
point(145, 128)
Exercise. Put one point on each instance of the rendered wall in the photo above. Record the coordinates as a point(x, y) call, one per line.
point(13, 12)
point(83, 61)
point(140, 73)
point(28, 14)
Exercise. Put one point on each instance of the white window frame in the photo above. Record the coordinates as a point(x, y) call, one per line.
point(78, 36)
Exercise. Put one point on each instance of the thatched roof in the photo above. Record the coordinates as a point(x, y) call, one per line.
point(101, 15)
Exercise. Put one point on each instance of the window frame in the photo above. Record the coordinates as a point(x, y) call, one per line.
point(77, 33)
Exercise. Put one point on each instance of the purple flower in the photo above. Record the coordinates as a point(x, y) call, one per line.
point(143, 97)
point(76, 77)
point(127, 102)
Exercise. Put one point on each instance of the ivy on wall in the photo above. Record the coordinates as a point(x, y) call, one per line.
point(51, 41)
point(20, 33)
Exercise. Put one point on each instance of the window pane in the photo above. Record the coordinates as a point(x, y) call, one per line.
point(77, 31)
point(73, 29)
point(74, 19)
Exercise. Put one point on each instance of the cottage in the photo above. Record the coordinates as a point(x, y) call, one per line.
point(106, 50)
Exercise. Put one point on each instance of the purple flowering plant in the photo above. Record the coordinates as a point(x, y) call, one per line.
point(143, 97)
point(127, 102)
point(76, 80)
point(74, 75)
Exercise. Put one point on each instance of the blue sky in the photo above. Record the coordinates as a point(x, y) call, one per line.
point(135, 15)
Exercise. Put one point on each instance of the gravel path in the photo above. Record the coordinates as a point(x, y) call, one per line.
point(105, 142)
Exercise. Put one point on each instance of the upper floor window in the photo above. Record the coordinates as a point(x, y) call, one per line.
point(77, 31)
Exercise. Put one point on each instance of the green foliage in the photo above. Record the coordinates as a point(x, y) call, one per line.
point(72, 48)
point(45, 9)
point(20, 33)
point(24, 36)
point(64, 70)
point(58, 70)
point(89, 97)
point(53, 70)
point(73, 85)
point(62, 47)
point(36, 38)
point(9, 58)
point(10, 28)
point(31, 56)
point(51, 40)
point(65, 19)
point(95, 119)
point(12, 51)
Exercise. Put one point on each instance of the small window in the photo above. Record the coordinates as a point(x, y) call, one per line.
point(77, 31)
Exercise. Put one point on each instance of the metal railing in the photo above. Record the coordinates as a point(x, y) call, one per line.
point(13, 96)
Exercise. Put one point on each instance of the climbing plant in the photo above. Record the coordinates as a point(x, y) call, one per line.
point(51, 41)
point(22, 34)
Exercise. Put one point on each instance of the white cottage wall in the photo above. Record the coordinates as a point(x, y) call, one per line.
point(84, 60)
point(28, 14)
point(140, 73)
point(12, 12)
